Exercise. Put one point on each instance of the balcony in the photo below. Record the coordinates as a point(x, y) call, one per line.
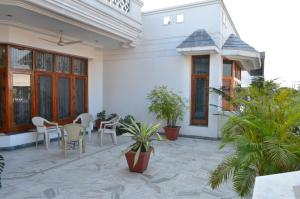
point(119, 20)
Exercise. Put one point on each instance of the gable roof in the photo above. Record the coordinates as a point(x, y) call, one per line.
point(199, 38)
point(235, 43)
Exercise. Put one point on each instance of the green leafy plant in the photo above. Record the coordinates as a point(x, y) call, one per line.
point(102, 115)
point(262, 131)
point(167, 105)
point(143, 135)
point(126, 120)
point(111, 116)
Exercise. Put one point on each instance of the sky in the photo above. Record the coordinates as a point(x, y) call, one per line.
point(272, 26)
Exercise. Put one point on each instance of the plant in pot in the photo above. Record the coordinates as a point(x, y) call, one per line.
point(100, 118)
point(167, 106)
point(138, 154)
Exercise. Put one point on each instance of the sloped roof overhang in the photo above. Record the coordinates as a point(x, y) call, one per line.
point(198, 43)
point(236, 49)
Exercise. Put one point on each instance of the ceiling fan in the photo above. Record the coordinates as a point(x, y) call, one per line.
point(61, 42)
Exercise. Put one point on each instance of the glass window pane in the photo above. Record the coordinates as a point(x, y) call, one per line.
point(45, 97)
point(79, 95)
point(20, 58)
point(22, 99)
point(227, 67)
point(1, 85)
point(79, 67)
point(2, 51)
point(201, 66)
point(200, 99)
point(63, 98)
point(43, 61)
point(62, 64)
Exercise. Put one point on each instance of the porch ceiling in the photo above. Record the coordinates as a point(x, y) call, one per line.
point(24, 18)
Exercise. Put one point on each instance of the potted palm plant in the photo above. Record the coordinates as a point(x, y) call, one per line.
point(167, 106)
point(263, 132)
point(138, 154)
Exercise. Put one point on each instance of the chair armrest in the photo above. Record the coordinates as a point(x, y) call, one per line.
point(77, 118)
point(51, 123)
point(103, 123)
point(111, 124)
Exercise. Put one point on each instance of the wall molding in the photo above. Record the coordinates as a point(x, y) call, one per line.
point(104, 22)
point(181, 7)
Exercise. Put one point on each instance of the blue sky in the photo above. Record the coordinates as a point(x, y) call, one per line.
point(272, 26)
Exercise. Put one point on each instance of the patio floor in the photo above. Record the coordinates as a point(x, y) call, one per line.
point(178, 169)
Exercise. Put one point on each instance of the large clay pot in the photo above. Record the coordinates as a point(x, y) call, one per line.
point(172, 132)
point(142, 163)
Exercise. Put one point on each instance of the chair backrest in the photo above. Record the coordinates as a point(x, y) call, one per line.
point(38, 121)
point(115, 122)
point(85, 119)
point(74, 131)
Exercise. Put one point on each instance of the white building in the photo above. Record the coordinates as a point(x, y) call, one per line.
point(122, 56)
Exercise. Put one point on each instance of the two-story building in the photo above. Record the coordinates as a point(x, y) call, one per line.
point(62, 58)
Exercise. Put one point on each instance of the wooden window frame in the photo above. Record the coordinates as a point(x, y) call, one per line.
point(70, 118)
point(3, 73)
point(234, 78)
point(7, 72)
point(193, 121)
point(36, 94)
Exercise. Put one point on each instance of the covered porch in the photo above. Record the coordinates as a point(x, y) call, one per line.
point(51, 60)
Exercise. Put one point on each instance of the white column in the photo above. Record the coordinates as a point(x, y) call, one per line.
point(215, 81)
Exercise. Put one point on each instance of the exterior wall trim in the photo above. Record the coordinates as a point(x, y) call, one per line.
point(138, 2)
point(229, 17)
point(110, 26)
point(181, 7)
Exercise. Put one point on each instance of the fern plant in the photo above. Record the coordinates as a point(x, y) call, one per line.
point(262, 131)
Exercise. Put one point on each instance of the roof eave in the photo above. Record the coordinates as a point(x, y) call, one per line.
point(198, 50)
point(249, 60)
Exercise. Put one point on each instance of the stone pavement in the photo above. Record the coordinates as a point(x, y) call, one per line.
point(178, 170)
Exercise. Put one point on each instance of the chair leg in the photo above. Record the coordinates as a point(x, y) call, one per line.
point(90, 134)
point(46, 140)
point(114, 138)
point(36, 139)
point(65, 149)
point(58, 138)
point(80, 147)
point(101, 138)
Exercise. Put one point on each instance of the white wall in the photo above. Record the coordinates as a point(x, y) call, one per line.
point(11, 34)
point(227, 26)
point(130, 74)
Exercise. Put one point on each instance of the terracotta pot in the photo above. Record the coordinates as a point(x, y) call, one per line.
point(172, 132)
point(142, 163)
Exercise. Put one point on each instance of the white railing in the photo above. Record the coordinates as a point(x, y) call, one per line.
point(123, 5)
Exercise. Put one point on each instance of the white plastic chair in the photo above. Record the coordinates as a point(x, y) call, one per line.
point(73, 138)
point(87, 122)
point(109, 127)
point(42, 129)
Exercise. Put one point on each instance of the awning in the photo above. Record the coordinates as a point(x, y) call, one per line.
point(198, 43)
point(236, 49)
